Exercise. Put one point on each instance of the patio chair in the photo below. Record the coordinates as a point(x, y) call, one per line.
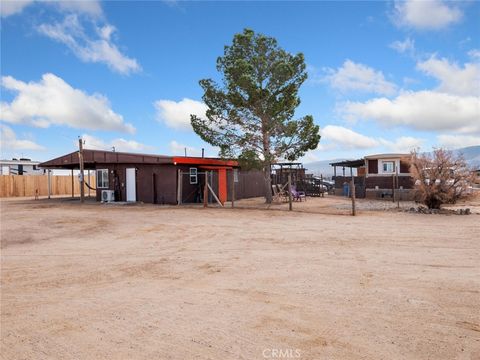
point(297, 195)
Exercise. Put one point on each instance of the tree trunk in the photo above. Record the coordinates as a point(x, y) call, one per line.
point(268, 183)
point(267, 169)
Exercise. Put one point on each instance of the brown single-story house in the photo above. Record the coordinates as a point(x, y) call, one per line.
point(377, 176)
point(162, 179)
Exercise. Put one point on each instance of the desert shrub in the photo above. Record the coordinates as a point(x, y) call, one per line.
point(441, 177)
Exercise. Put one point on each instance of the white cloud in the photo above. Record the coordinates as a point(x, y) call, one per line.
point(176, 115)
point(353, 76)
point(422, 110)
point(453, 78)
point(458, 141)
point(89, 7)
point(426, 14)
point(52, 101)
point(120, 144)
point(406, 46)
point(99, 48)
point(9, 141)
point(336, 137)
point(403, 144)
point(474, 54)
point(310, 156)
point(346, 138)
point(8, 8)
point(178, 149)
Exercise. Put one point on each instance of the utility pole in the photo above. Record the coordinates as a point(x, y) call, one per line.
point(80, 158)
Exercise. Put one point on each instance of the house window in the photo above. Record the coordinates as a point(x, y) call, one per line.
point(388, 166)
point(102, 178)
point(193, 176)
point(235, 175)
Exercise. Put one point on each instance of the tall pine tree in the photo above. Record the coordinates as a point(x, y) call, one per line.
point(250, 116)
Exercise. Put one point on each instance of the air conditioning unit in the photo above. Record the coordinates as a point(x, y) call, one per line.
point(108, 196)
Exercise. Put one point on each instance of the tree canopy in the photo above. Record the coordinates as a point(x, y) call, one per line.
point(251, 114)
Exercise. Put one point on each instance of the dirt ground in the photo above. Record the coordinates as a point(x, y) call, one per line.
point(151, 282)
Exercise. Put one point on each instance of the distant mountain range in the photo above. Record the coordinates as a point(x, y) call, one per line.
point(470, 153)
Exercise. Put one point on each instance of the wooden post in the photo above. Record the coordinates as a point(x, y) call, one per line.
point(398, 187)
point(289, 191)
point(82, 180)
point(205, 190)
point(73, 186)
point(393, 187)
point(321, 186)
point(233, 187)
point(49, 174)
point(36, 187)
point(89, 183)
point(352, 194)
point(179, 187)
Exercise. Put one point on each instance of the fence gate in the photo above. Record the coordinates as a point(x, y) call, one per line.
point(191, 185)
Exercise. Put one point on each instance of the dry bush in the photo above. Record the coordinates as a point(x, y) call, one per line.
point(440, 177)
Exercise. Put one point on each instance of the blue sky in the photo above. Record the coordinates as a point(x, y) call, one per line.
point(383, 76)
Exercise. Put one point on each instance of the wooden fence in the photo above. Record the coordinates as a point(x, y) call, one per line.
point(28, 185)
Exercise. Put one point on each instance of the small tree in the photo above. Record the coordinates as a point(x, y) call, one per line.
point(440, 177)
point(251, 115)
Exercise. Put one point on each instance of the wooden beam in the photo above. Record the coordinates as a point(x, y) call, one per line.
point(205, 191)
point(215, 196)
point(80, 160)
point(179, 187)
point(49, 174)
point(352, 194)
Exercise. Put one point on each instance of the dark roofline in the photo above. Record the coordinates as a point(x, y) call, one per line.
point(349, 163)
point(93, 157)
point(287, 163)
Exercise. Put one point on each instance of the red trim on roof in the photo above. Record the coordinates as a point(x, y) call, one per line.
point(203, 161)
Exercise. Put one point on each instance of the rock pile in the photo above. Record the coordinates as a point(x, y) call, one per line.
point(425, 210)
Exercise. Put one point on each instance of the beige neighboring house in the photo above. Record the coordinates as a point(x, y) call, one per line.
point(20, 166)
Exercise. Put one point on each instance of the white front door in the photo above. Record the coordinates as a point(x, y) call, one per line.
point(131, 185)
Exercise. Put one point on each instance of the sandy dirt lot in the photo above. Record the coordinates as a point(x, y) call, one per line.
point(149, 282)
